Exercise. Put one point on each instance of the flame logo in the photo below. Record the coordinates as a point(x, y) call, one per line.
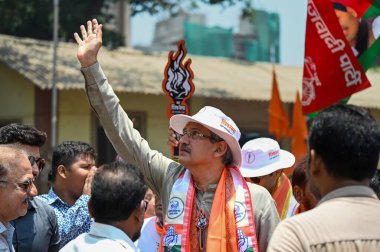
point(178, 84)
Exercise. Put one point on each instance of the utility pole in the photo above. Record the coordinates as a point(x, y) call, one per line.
point(54, 79)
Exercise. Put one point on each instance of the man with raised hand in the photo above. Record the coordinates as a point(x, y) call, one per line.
point(207, 204)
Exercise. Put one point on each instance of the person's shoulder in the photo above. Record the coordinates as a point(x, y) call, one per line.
point(75, 244)
point(258, 192)
point(148, 221)
point(43, 206)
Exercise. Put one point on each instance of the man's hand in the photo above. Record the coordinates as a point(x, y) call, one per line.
point(88, 181)
point(172, 138)
point(90, 44)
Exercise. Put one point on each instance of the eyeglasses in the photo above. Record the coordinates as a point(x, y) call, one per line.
point(145, 205)
point(39, 161)
point(194, 135)
point(26, 186)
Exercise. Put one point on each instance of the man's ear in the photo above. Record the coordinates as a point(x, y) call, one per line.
point(61, 171)
point(352, 12)
point(221, 148)
point(90, 209)
point(316, 163)
point(297, 192)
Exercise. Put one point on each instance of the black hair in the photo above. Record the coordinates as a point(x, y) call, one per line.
point(117, 190)
point(22, 134)
point(347, 138)
point(66, 153)
point(339, 6)
point(362, 37)
point(299, 174)
point(375, 183)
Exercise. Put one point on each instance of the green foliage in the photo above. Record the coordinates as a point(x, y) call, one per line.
point(34, 18)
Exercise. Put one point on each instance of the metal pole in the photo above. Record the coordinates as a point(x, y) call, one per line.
point(54, 80)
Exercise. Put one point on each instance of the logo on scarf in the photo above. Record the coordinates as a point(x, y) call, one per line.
point(176, 208)
point(170, 239)
point(240, 211)
point(242, 241)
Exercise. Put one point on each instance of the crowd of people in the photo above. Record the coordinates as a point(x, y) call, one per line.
point(218, 196)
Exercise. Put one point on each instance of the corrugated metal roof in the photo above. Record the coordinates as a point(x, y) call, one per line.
point(129, 70)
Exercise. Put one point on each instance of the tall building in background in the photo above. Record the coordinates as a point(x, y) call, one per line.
point(258, 38)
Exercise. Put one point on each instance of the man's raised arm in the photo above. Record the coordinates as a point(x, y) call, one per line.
point(119, 128)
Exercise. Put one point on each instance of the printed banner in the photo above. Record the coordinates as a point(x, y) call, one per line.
point(331, 70)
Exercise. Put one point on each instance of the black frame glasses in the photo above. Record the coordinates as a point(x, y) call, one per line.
point(194, 135)
point(39, 161)
point(26, 186)
point(146, 203)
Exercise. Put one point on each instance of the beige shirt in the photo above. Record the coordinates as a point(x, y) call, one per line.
point(346, 219)
point(162, 172)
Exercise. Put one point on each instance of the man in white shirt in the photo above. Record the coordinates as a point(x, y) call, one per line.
point(151, 231)
point(117, 206)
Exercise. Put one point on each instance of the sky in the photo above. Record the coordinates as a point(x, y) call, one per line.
point(292, 25)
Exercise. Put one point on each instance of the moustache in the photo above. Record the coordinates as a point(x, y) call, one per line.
point(184, 147)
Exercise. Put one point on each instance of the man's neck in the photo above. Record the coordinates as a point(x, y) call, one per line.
point(64, 195)
point(3, 221)
point(205, 176)
point(339, 183)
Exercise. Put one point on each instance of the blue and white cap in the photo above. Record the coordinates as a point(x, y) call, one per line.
point(262, 156)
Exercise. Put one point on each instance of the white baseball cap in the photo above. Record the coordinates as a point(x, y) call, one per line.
point(262, 156)
point(217, 122)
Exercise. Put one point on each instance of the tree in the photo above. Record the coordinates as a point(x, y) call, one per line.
point(34, 18)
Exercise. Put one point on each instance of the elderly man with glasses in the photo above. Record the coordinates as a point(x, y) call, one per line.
point(207, 204)
point(16, 181)
point(38, 229)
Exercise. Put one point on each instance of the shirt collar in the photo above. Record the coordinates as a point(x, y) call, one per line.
point(111, 232)
point(32, 204)
point(52, 197)
point(349, 191)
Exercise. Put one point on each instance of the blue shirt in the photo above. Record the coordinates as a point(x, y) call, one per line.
point(6, 232)
point(37, 231)
point(72, 220)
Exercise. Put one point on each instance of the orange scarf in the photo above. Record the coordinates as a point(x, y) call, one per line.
point(231, 224)
point(158, 225)
point(282, 195)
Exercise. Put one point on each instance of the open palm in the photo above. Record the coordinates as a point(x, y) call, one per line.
point(90, 43)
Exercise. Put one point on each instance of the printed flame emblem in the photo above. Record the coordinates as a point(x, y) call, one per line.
point(178, 82)
point(309, 82)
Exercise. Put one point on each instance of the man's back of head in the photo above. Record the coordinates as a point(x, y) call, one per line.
point(347, 138)
point(116, 195)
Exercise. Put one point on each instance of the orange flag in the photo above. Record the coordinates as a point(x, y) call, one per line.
point(298, 132)
point(278, 119)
